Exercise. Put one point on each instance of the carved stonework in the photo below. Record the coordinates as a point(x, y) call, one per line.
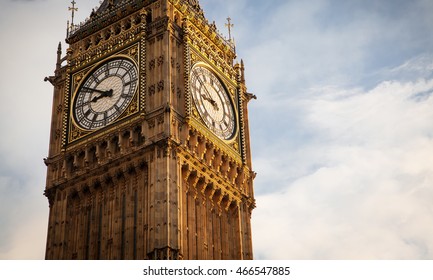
point(156, 181)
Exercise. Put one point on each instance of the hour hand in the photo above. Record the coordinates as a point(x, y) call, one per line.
point(211, 101)
point(107, 93)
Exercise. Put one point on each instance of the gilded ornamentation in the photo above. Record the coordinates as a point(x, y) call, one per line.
point(75, 133)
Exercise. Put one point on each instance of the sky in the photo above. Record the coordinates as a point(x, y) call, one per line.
point(341, 131)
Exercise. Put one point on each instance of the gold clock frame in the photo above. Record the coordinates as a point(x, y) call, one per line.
point(75, 131)
point(230, 91)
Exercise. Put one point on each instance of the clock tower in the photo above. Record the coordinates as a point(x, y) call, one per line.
point(149, 154)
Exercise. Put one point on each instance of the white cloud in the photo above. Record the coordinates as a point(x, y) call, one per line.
point(368, 178)
point(24, 215)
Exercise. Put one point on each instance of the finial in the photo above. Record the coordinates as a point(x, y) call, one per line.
point(93, 13)
point(59, 55)
point(73, 9)
point(229, 25)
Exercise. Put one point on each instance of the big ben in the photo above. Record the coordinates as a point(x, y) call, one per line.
point(149, 154)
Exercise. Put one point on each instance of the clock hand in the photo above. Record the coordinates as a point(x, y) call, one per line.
point(205, 88)
point(107, 93)
point(213, 102)
point(95, 90)
point(208, 97)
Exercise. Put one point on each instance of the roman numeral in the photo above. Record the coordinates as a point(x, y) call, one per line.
point(130, 82)
point(80, 103)
point(95, 78)
point(107, 71)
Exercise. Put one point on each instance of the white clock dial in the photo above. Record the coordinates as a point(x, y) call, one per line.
point(213, 102)
point(105, 93)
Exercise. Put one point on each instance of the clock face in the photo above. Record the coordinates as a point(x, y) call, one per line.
point(212, 102)
point(105, 93)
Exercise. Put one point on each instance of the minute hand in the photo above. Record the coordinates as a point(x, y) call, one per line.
point(209, 97)
point(95, 90)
